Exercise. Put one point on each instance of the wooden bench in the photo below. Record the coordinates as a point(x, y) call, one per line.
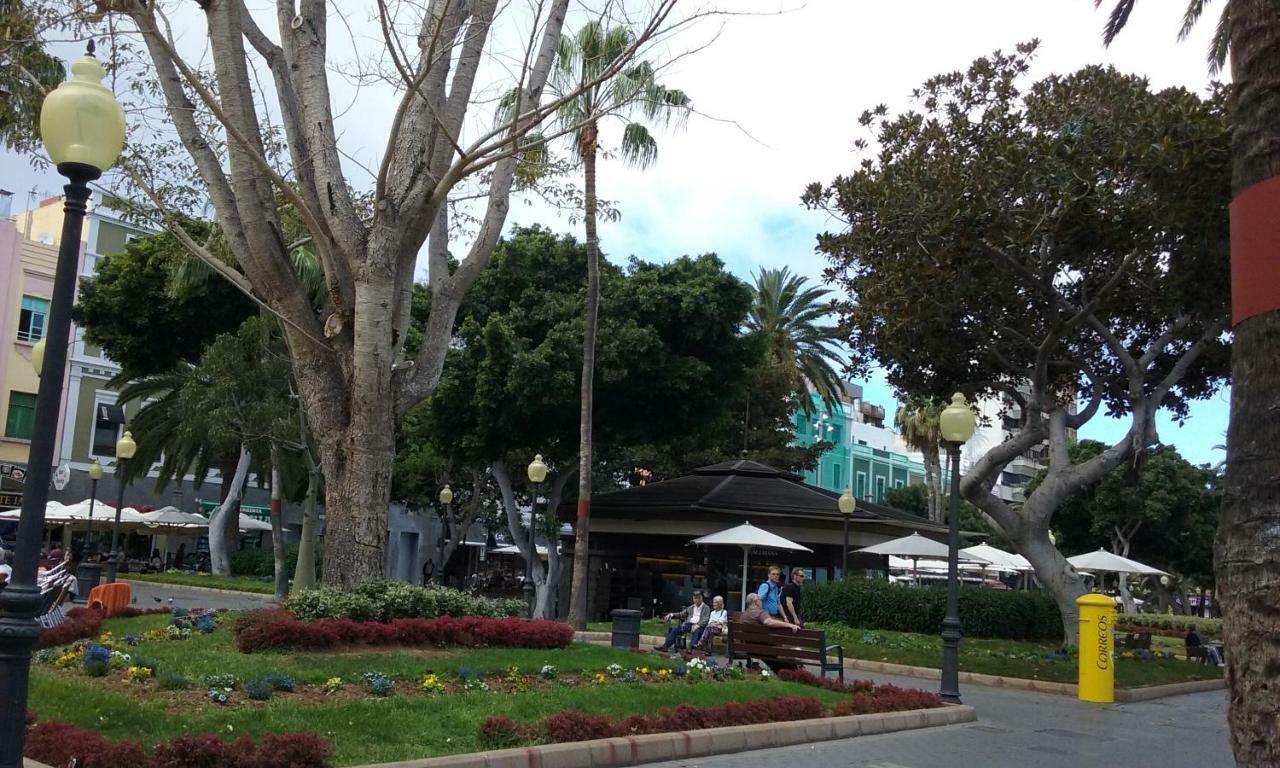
point(783, 647)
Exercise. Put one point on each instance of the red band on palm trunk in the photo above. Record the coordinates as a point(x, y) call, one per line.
point(1255, 250)
point(584, 508)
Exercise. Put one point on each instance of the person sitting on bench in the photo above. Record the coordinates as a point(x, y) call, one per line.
point(755, 614)
point(717, 623)
point(1192, 640)
point(693, 617)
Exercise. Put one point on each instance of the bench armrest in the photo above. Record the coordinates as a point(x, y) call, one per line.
point(837, 647)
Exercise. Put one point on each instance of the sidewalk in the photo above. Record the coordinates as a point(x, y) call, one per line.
point(149, 595)
point(1017, 728)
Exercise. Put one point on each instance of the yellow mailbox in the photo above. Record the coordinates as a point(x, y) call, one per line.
point(1097, 648)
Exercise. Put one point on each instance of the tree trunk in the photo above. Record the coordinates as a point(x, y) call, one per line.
point(277, 532)
point(933, 485)
point(582, 530)
point(356, 457)
point(1247, 559)
point(1120, 546)
point(1057, 576)
point(304, 573)
point(224, 522)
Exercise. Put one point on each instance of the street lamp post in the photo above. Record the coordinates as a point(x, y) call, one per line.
point(82, 127)
point(125, 448)
point(537, 473)
point(89, 572)
point(847, 505)
point(956, 424)
point(446, 498)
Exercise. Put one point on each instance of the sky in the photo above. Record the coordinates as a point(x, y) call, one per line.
point(777, 98)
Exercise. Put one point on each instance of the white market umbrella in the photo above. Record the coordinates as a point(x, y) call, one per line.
point(510, 549)
point(172, 518)
point(916, 547)
point(78, 514)
point(999, 559)
point(247, 524)
point(1107, 562)
point(748, 536)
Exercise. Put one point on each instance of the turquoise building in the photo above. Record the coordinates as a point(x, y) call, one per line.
point(866, 456)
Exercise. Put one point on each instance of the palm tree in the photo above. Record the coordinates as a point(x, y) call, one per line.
point(1247, 567)
point(917, 422)
point(787, 312)
point(583, 59)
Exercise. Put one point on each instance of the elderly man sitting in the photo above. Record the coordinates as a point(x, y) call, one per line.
point(693, 617)
point(717, 624)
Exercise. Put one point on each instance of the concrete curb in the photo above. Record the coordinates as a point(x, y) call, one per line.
point(636, 750)
point(29, 763)
point(1172, 689)
point(214, 590)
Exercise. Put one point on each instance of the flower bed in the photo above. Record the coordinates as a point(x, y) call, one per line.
point(1206, 627)
point(1146, 630)
point(83, 623)
point(278, 628)
point(59, 743)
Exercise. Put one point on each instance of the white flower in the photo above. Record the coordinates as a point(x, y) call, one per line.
point(766, 673)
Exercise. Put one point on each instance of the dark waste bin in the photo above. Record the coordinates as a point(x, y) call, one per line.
point(626, 628)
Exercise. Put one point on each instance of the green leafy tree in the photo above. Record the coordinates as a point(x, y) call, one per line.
point(144, 317)
point(670, 355)
point(1161, 510)
point(27, 74)
point(917, 422)
point(1247, 560)
point(1048, 241)
point(788, 313)
point(582, 61)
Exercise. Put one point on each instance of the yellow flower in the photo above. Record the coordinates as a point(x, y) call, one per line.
point(643, 670)
point(664, 673)
point(600, 678)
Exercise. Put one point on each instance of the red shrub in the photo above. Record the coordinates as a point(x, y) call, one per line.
point(277, 628)
point(289, 750)
point(199, 751)
point(58, 743)
point(806, 677)
point(887, 698)
point(575, 726)
point(500, 732)
point(80, 624)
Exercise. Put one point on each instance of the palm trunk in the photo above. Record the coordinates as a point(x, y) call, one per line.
point(224, 523)
point(582, 531)
point(304, 573)
point(933, 484)
point(1247, 560)
point(281, 572)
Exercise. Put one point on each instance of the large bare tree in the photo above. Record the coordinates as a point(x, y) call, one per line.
point(257, 123)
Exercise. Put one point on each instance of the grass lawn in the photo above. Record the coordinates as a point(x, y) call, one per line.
point(231, 583)
point(1010, 658)
point(362, 728)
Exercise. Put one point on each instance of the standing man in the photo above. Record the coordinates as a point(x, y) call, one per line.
point(790, 594)
point(770, 592)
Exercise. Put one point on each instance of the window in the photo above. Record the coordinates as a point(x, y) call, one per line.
point(31, 322)
point(898, 483)
point(835, 476)
point(107, 420)
point(879, 489)
point(860, 489)
point(21, 420)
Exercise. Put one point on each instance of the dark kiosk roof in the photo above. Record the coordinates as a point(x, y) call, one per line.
point(745, 488)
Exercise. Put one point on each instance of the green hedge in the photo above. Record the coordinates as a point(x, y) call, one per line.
point(387, 600)
point(261, 562)
point(1206, 627)
point(876, 604)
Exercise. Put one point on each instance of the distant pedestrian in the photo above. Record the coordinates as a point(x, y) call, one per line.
point(770, 591)
point(1193, 640)
point(790, 597)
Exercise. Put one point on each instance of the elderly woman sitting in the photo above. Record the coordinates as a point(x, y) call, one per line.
point(715, 625)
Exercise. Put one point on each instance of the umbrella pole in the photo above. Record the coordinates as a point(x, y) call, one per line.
point(745, 550)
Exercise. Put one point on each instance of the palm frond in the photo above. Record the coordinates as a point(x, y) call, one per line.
point(1195, 8)
point(1117, 19)
point(1220, 45)
point(638, 146)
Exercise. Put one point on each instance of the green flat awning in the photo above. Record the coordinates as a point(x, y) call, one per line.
point(256, 511)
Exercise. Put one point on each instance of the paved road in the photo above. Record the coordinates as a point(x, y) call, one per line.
point(1027, 731)
point(147, 595)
